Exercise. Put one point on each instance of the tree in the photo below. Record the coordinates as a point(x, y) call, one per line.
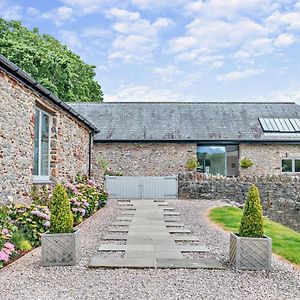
point(49, 62)
point(252, 219)
point(61, 217)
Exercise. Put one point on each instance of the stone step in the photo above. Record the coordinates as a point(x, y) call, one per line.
point(124, 218)
point(141, 263)
point(130, 209)
point(168, 209)
point(171, 213)
point(178, 230)
point(193, 248)
point(152, 254)
point(172, 219)
point(174, 224)
point(186, 238)
point(188, 263)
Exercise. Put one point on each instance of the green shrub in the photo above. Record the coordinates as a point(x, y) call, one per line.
point(32, 220)
point(25, 245)
point(252, 218)
point(61, 217)
point(19, 240)
point(246, 163)
point(192, 164)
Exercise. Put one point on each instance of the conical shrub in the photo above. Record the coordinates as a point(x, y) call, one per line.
point(61, 218)
point(252, 219)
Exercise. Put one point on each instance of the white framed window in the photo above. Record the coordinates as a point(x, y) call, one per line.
point(41, 168)
point(290, 165)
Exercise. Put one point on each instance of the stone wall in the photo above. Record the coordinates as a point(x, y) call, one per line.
point(143, 159)
point(69, 143)
point(266, 158)
point(280, 195)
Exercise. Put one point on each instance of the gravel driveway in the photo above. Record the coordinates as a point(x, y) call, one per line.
point(26, 279)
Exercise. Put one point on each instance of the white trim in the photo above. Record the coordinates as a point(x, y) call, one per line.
point(43, 178)
point(293, 165)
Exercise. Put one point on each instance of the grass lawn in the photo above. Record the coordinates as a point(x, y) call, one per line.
point(285, 241)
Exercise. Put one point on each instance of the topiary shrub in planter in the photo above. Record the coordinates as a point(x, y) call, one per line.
point(246, 163)
point(61, 246)
point(250, 249)
point(192, 164)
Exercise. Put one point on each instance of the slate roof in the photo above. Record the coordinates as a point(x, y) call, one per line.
point(13, 70)
point(187, 121)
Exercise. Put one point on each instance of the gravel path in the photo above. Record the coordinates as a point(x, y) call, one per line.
point(26, 279)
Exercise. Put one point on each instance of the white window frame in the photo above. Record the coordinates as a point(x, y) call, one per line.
point(293, 165)
point(43, 178)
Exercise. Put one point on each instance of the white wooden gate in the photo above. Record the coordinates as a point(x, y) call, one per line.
point(129, 187)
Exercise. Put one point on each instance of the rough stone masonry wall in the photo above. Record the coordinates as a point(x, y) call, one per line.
point(143, 159)
point(280, 195)
point(69, 143)
point(266, 158)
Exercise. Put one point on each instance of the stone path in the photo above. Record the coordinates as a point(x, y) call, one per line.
point(151, 230)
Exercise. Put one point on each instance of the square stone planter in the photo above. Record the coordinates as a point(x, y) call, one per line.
point(61, 249)
point(250, 253)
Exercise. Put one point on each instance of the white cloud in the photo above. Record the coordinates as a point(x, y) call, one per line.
point(71, 38)
point(289, 95)
point(232, 76)
point(122, 14)
point(142, 27)
point(215, 35)
point(10, 11)
point(84, 7)
point(59, 15)
point(33, 12)
point(195, 7)
point(142, 4)
point(168, 73)
point(162, 23)
point(94, 32)
point(136, 37)
point(142, 93)
point(284, 40)
point(255, 48)
point(229, 8)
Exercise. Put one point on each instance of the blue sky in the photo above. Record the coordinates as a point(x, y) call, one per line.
point(178, 50)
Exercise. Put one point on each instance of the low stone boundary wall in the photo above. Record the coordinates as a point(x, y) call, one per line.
point(280, 196)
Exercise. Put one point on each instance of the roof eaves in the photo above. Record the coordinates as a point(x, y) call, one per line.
point(26, 79)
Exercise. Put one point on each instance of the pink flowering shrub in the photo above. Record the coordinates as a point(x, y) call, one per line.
point(32, 220)
point(7, 249)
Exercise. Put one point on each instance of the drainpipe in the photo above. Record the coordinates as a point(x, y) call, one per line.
point(90, 153)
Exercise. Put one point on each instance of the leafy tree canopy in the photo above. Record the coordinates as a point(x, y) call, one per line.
point(49, 62)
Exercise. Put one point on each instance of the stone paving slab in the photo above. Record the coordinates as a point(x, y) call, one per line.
point(137, 247)
point(127, 213)
point(188, 263)
point(124, 219)
point(186, 238)
point(127, 208)
point(171, 213)
point(141, 263)
point(141, 229)
point(172, 219)
point(178, 230)
point(153, 254)
point(174, 224)
point(115, 237)
point(193, 248)
point(121, 223)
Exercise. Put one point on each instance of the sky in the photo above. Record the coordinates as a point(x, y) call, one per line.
point(177, 50)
